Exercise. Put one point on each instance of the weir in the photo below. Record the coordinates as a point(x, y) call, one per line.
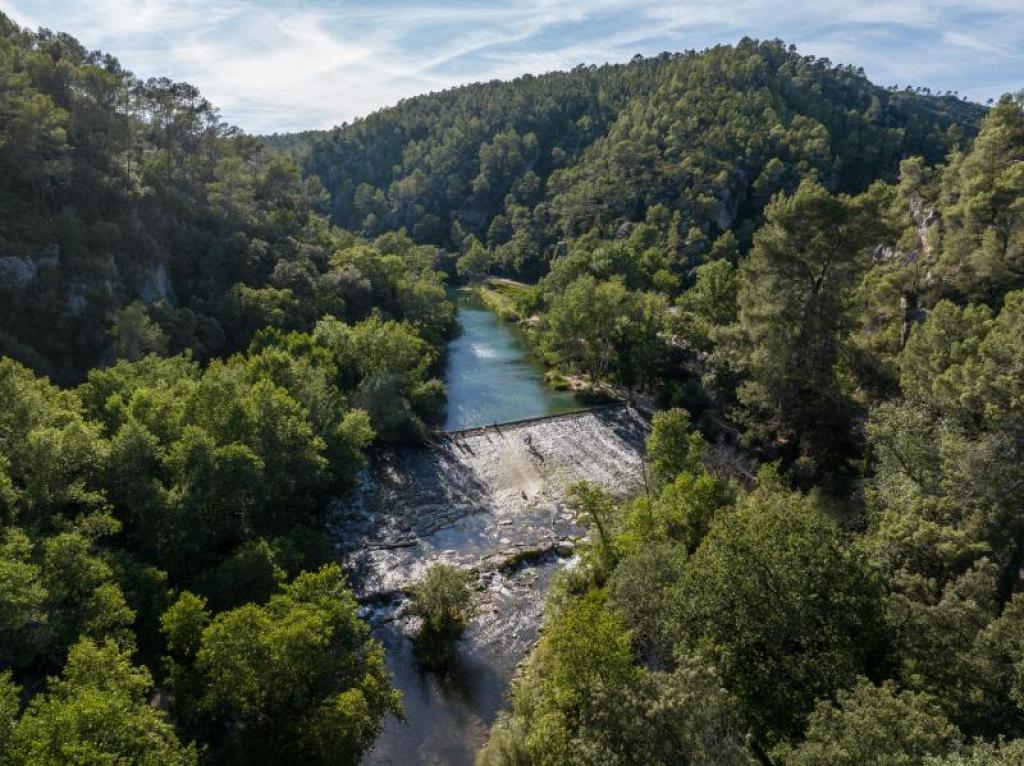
point(491, 500)
point(484, 491)
point(538, 419)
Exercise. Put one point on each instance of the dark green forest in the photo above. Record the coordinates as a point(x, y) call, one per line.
point(816, 283)
point(702, 138)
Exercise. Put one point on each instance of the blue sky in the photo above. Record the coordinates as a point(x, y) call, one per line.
point(294, 64)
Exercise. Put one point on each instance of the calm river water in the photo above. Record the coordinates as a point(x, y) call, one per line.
point(491, 377)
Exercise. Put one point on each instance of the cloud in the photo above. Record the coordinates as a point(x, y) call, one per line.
point(277, 66)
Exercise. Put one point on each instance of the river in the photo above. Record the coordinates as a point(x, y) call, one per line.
point(491, 376)
point(481, 499)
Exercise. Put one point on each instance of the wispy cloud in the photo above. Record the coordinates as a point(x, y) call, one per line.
point(275, 66)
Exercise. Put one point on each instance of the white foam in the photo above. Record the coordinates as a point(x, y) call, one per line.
point(483, 351)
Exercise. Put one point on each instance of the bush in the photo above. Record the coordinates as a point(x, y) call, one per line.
point(556, 380)
point(443, 600)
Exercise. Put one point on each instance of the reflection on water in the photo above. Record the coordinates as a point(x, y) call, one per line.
point(447, 715)
point(490, 375)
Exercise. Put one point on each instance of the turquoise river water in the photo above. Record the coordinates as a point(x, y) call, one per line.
point(491, 376)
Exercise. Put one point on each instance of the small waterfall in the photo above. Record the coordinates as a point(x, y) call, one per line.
point(482, 499)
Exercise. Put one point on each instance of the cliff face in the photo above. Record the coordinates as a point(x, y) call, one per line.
point(17, 273)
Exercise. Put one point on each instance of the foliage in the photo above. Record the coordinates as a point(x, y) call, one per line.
point(474, 264)
point(681, 512)
point(824, 273)
point(793, 314)
point(136, 221)
point(98, 712)
point(222, 337)
point(154, 473)
point(582, 700)
point(781, 607)
point(296, 678)
point(710, 303)
point(581, 327)
point(597, 509)
point(984, 754)
point(672, 447)
point(526, 164)
point(444, 601)
point(875, 724)
point(134, 335)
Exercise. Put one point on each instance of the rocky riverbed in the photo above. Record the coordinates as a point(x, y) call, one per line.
point(491, 500)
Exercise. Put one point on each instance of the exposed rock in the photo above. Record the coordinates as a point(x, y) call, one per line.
point(723, 216)
point(491, 502)
point(565, 548)
point(76, 300)
point(157, 286)
point(883, 253)
point(483, 493)
point(19, 272)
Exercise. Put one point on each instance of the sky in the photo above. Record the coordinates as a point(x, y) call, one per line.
point(286, 65)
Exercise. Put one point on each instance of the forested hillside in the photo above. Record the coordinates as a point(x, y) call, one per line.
point(816, 282)
point(821, 279)
point(710, 136)
point(115, 191)
point(825, 567)
point(168, 590)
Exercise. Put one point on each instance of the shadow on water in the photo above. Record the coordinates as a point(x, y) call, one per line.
point(448, 714)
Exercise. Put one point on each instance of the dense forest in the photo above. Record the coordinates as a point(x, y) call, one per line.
point(825, 565)
point(134, 220)
point(226, 358)
point(816, 282)
point(704, 138)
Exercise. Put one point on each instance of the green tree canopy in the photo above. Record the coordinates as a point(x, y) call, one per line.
point(97, 712)
point(298, 677)
point(875, 724)
point(777, 602)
